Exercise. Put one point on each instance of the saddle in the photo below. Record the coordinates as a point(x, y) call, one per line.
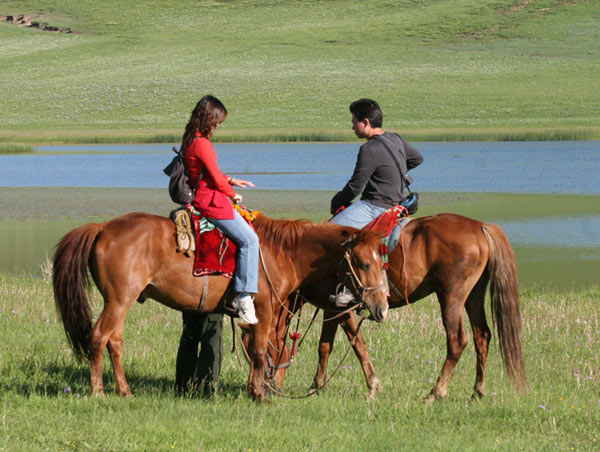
point(214, 253)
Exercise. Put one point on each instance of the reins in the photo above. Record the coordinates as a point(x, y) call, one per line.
point(313, 391)
point(357, 285)
point(293, 314)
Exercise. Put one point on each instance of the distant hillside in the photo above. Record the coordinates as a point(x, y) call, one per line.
point(439, 68)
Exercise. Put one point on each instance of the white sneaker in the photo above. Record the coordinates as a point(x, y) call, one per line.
point(244, 304)
point(342, 299)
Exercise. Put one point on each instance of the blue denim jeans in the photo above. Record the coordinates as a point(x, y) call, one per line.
point(358, 214)
point(246, 269)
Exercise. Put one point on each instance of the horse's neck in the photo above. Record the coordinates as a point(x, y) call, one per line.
point(320, 255)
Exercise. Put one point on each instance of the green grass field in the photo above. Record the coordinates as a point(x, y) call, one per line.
point(46, 404)
point(453, 69)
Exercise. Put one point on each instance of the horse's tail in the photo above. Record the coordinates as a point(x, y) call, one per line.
point(504, 292)
point(71, 283)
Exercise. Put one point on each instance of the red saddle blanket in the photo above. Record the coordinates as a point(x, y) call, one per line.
point(385, 222)
point(215, 253)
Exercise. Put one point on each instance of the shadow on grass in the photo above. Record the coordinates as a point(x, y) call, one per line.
point(58, 379)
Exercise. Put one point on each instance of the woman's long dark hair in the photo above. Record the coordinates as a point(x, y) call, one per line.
point(208, 114)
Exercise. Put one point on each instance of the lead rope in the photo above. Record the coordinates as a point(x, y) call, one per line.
point(313, 391)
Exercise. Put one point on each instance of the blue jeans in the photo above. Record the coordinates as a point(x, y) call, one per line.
point(358, 214)
point(246, 269)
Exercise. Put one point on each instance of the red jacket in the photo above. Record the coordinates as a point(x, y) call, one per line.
point(213, 191)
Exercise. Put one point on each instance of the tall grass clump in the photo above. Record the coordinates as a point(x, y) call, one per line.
point(8, 148)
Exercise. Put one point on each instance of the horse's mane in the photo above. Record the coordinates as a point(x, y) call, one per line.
point(285, 236)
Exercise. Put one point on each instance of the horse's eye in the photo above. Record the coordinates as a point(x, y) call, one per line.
point(365, 266)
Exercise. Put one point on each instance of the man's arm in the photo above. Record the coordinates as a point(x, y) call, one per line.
point(413, 157)
point(362, 171)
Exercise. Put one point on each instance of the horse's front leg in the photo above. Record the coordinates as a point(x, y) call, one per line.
point(357, 341)
point(328, 331)
point(258, 357)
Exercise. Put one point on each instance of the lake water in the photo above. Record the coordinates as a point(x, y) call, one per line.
point(505, 167)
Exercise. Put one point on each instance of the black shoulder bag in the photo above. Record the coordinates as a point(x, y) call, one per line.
point(411, 202)
point(179, 188)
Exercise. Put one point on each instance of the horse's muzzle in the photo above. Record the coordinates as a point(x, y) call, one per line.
point(379, 313)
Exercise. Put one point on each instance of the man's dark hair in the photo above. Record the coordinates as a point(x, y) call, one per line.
point(367, 109)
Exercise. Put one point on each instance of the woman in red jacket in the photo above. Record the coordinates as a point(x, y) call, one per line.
point(213, 195)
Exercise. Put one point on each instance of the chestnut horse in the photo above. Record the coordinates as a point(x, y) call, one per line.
point(454, 257)
point(133, 257)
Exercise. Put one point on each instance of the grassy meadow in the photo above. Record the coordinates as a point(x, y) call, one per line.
point(447, 70)
point(444, 70)
point(45, 402)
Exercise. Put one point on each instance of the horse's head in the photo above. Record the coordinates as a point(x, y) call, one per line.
point(362, 272)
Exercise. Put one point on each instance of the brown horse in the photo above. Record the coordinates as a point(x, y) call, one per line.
point(133, 257)
point(455, 258)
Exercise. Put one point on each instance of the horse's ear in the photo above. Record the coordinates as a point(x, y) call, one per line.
point(350, 239)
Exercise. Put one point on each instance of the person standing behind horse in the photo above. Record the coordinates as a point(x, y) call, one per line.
point(195, 372)
point(376, 173)
point(212, 198)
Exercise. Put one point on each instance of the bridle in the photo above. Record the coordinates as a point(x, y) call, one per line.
point(351, 280)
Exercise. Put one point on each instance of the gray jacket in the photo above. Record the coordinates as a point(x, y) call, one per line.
point(376, 174)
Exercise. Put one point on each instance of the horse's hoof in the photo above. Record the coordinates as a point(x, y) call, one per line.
point(312, 391)
point(375, 384)
point(477, 395)
point(429, 399)
point(263, 399)
point(371, 395)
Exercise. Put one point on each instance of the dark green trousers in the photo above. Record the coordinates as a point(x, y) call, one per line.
point(198, 373)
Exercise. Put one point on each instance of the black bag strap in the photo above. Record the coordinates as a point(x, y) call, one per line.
point(386, 144)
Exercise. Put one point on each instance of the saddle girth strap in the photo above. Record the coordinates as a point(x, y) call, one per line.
point(204, 293)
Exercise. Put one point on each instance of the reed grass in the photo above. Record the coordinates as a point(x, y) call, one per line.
point(287, 136)
point(12, 148)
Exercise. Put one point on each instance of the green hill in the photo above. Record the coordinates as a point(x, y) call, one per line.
point(446, 69)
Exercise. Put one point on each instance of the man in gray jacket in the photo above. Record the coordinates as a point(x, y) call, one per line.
point(377, 173)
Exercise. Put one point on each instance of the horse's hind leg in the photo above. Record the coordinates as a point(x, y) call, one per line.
point(98, 342)
point(456, 341)
point(108, 331)
point(115, 343)
point(481, 331)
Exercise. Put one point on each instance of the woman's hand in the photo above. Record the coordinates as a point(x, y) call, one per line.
point(237, 199)
point(241, 183)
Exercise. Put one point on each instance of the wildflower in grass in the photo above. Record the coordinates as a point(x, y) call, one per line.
point(542, 407)
point(67, 390)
